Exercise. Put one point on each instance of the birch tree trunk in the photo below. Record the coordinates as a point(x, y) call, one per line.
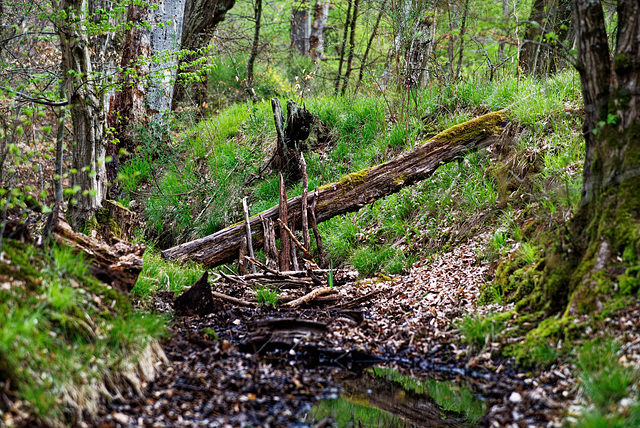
point(413, 44)
point(86, 105)
point(316, 39)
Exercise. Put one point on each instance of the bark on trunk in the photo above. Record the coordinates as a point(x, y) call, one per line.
point(541, 55)
point(316, 38)
point(353, 191)
point(300, 31)
point(88, 117)
point(200, 20)
point(605, 232)
point(413, 43)
point(420, 50)
point(297, 129)
point(352, 46)
point(343, 47)
point(257, 14)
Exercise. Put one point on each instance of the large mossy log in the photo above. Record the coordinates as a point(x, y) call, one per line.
point(353, 191)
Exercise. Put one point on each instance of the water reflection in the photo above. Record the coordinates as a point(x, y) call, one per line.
point(382, 397)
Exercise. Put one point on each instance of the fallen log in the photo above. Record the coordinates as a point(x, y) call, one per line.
point(355, 190)
point(117, 265)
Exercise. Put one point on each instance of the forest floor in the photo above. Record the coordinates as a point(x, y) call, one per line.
point(270, 367)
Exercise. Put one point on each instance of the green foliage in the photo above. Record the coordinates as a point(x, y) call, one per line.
point(267, 296)
point(61, 329)
point(603, 380)
point(477, 331)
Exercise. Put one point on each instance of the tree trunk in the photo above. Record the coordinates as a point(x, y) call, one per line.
point(420, 49)
point(200, 19)
point(88, 117)
point(316, 39)
point(300, 30)
point(549, 27)
point(353, 191)
point(298, 127)
point(352, 46)
point(605, 232)
point(413, 43)
point(257, 14)
point(368, 48)
point(343, 47)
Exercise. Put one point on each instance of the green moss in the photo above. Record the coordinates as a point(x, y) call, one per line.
point(399, 180)
point(543, 338)
point(349, 181)
point(488, 124)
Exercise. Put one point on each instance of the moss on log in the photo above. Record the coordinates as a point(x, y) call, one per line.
point(355, 190)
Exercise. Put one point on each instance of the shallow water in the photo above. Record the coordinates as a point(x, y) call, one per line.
point(382, 397)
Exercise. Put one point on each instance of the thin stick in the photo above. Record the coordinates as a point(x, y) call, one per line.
point(294, 253)
point(310, 296)
point(306, 252)
point(305, 220)
point(233, 300)
point(284, 237)
point(266, 268)
point(248, 229)
point(314, 225)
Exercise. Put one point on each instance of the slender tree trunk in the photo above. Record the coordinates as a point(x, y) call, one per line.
point(257, 13)
point(343, 47)
point(368, 48)
point(316, 39)
point(463, 27)
point(352, 46)
point(88, 117)
point(299, 32)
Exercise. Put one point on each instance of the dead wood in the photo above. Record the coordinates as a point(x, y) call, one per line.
point(233, 300)
point(270, 248)
point(294, 254)
point(118, 264)
point(355, 190)
point(314, 226)
point(310, 296)
point(242, 262)
point(307, 254)
point(304, 208)
point(249, 244)
point(355, 302)
point(197, 300)
point(285, 260)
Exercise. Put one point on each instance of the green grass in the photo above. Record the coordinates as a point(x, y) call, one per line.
point(267, 297)
point(197, 188)
point(61, 329)
point(159, 274)
point(604, 382)
point(477, 331)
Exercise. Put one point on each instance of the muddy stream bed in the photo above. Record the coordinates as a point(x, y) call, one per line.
point(383, 353)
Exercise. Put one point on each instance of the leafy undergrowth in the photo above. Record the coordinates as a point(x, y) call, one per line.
point(62, 334)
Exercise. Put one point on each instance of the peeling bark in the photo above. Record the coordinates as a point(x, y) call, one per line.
point(316, 39)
